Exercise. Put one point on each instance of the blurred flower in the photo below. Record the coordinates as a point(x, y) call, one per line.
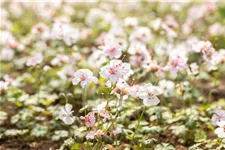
point(216, 29)
point(90, 135)
point(220, 130)
point(176, 64)
point(3, 86)
point(219, 115)
point(121, 89)
point(35, 60)
point(75, 57)
point(99, 134)
point(112, 50)
point(84, 76)
point(7, 54)
point(167, 87)
point(66, 73)
point(118, 130)
point(142, 34)
point(40, 27)
point(89, 119)
point(103, 113)
point(202, 46)
point(130, 22)
point(65, 114)
point(96, 59)
point(11, 82)
point(134, 91)
point(70, 36)
point(148, 93)
point(218, 57)
point(193, 69)
point(59, 59)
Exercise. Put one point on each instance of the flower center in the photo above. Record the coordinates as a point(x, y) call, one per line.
point(150, 94)
point(112, 71)
point(82, 78)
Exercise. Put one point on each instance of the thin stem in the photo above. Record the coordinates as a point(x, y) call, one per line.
point(84, 98)
point(39, 75)
point(95, 146)
point(84, 95)
point(139, 120)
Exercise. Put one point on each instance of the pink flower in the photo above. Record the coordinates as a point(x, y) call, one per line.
point(114, 70)
point(91, 135)
point(59, 59)
point(103, 113)
point(218, 116)
point(117, 131)
point(112, 50)
point(36, 60)
point(89, 119)
point(111, 71)
point(84, 76)
point(176, 64)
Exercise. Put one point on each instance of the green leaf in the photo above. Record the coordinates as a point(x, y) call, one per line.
point(200, 136)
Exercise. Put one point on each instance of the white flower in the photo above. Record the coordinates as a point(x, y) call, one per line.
point(142, 34)
point(65, 114)
point(84, 76)
point(90, 135)
point(134, 91)
point(96, 59)
point(167, 87)
point(121, 89)
point(3, 86)
point(33, 61)
point(130, 22)
point(112, 50)
point(220, 130)
point(58, 29)
point(12, 82)
point(148, 93)
point(7, 54)
point(216, 29)
point(59, 59)
point(218, 57)
point(66, 73)
point(70, 36)
point(176, 64)
point(218, 116)
point(194, 69)
point(202, 46)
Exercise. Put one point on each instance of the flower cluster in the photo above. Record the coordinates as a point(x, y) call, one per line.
point(113, 76)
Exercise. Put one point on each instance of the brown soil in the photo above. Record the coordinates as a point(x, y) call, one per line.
point(15, 144)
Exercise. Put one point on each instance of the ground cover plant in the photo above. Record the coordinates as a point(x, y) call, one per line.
point(112, 75)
